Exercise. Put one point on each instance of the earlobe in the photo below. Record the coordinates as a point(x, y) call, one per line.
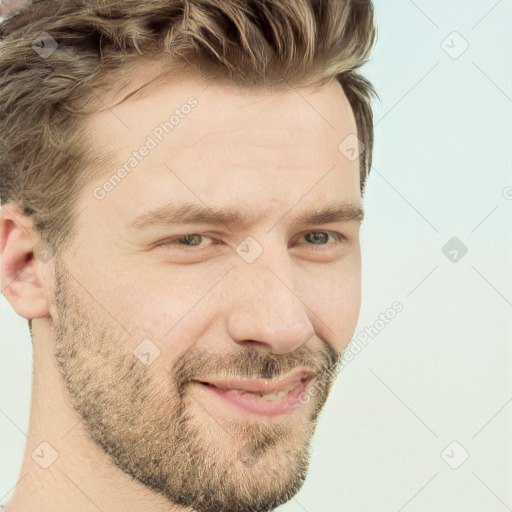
point(21, 264)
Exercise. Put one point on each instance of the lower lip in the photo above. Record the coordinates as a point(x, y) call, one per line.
point(256, 405)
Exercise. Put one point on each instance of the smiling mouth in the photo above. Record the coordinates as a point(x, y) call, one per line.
point(275, 395)
point(259, 396)
point(261, 387)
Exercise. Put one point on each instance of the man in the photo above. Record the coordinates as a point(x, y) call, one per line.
point(182, 197)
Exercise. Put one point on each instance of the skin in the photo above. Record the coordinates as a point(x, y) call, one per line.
point(136, 437)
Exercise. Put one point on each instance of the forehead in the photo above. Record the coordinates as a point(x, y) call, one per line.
point(142, 95)
point(232, 144)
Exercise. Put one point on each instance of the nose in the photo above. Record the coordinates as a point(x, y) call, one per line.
point(267, 311)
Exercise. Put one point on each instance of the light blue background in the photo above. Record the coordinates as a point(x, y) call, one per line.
point(440, 371)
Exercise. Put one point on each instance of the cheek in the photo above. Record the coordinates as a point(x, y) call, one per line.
point(171, 309)
point(334, 298)
point(174, 308)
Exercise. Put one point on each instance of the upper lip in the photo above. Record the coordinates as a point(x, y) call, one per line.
point(262, 386)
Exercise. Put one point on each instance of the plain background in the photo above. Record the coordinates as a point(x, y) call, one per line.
point(434, 384)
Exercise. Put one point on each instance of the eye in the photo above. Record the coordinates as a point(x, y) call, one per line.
point(322, 237)
point(185, 241)
point(317, 241)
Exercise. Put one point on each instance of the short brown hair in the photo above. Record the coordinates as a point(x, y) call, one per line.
point(44, 156)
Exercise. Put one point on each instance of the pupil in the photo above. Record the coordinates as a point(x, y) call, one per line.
point(317, 237)
point(189, 238)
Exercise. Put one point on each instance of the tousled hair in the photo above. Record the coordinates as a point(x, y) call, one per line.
point(44, 156)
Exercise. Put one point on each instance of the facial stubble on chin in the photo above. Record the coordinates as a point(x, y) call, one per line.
point(154, 431)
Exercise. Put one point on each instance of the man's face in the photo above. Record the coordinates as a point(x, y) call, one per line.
point(151, 308)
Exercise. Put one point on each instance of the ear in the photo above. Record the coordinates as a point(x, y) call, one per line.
point(23, 258)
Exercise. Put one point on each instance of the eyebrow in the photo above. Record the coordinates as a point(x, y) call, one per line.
point(191, 213)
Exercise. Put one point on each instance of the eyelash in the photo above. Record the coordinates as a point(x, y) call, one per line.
point(191, 248)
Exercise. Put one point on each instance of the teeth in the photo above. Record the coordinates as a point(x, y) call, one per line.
point(267, 397)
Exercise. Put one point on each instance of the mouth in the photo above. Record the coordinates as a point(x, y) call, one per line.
point(258, 396)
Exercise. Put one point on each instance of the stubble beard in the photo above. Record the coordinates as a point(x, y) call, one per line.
point(154, 431)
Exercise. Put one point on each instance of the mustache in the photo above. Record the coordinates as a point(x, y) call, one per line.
point(252, 363)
